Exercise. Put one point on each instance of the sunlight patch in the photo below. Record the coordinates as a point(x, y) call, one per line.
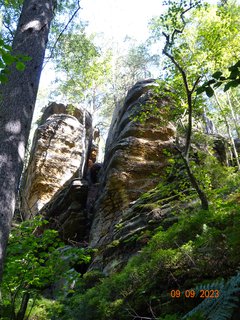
point(13, 127)
point(35, 24)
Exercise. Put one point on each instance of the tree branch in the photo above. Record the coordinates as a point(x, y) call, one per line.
point(177, 31)
point(180, 69)
point(9, 29)
point(185, 155)
point(61, 33)
point(195, 84)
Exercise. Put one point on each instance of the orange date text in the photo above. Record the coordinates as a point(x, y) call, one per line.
point(204, 294)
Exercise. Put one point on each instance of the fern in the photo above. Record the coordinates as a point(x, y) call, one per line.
point(220, 308)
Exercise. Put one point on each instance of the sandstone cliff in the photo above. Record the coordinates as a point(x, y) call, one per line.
point(110, 215)
point(135, 160)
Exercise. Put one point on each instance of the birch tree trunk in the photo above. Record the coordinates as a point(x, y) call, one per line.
point(17, 101)
point(228, 131)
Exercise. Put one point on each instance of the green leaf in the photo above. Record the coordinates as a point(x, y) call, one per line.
point(7, 47)
point(8, 58)
point(1, 64)
point(217, 84)
point(212, 81)
point(217, 75)
point(201, 89)
point(234, 74)
point(24, 58)
point(209, 92)
point(3, 78)
point(20, 66)
point(232, 68)
point(237, 64)
point(231, 84)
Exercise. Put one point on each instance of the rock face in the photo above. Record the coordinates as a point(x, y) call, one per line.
point(67, 213)
point(134, 162)
point(100, 205)
point(59, 153)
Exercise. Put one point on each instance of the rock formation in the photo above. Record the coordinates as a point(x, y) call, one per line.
point(134, 163)
point(136, 160)
point(67, 213)
point(100, 205)
point(59, 152)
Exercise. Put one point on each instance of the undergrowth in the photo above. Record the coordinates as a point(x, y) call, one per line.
point(200, 248)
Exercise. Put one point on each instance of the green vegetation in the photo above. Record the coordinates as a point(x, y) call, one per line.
point(36, 258)
point(7, 59)
point(197, 252)
point(195, 247)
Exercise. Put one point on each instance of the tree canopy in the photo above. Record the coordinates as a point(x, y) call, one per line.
point(197, 198)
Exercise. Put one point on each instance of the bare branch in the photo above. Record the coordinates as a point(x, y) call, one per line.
point(135, 315)
point(9, 29)
point(151, 310)
point(61, 33)
point(177, 31)
point(180, 69)
point(195, 84)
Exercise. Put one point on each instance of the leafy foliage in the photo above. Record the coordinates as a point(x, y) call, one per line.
point(231, 81)
point(79, 64)
point(182, 252)
point(190, 245)
point(31, 263)
point(7, 59)
point(221, 308)
point(10, 11)
point(208, 43)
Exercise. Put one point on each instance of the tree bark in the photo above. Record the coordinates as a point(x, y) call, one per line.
point(201, 194)
point(189, 93)
point(17, 101)
point(23, 307)
point(228, 131)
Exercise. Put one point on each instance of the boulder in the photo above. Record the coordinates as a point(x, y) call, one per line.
point(135, 228)
point(59, 153)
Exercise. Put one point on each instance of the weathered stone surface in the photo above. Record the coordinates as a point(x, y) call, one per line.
point(66, 212)
point(134, 163)
point(222, 149)
point(237, 144)
point(59, 108)
point(134, 230)
point(59, 153)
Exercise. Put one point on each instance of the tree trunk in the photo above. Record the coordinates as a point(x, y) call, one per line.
point(185, 154)
point(23, 307)
point(228, 131)
point(233, 115)
point(201, 194)
point(17, 103)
